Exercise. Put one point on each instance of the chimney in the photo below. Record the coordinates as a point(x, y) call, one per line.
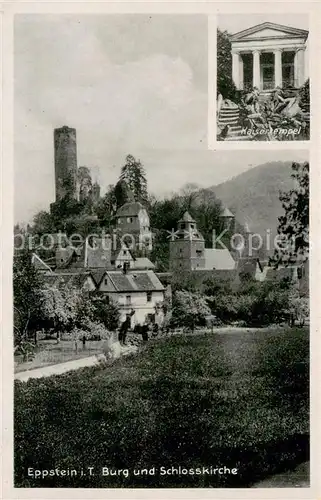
point(125, 267)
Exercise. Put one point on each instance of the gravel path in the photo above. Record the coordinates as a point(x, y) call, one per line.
point(58, 369)
point(297, 478)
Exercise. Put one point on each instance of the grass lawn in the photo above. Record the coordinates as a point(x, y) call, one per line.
point(234, 400)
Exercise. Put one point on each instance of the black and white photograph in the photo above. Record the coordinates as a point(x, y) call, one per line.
point(161, 289)
point(263, 86)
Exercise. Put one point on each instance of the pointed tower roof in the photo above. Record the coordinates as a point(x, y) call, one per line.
point(227, 213)
point(187, 218)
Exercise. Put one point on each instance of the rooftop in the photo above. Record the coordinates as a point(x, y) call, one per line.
point(187, 218)
point(218, 259)
point(130, 209)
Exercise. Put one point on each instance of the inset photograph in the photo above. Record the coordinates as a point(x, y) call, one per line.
point(263, 88)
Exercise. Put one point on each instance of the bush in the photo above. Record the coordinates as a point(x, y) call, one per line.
point(92, 330)
point(189, 310)
point(257, 305)
point(305, 96)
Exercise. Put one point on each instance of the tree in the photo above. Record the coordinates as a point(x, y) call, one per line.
point(189, 309)
point(107, 206)
point(26, 296)
point(225, 84)
point(122, 193)
point(305, 96)
point(65, 307)
point(294, 224)
point(84, 182)
point(298, 307)
point(42, 223)
point(133, 173)
point(106, 312)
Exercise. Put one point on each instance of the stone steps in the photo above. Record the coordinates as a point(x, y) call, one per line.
point(230, 117)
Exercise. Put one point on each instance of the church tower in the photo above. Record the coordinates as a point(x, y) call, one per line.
point(228, 220)
point(187, 246)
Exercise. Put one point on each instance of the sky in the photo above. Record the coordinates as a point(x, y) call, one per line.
point(129, 84)
point(239, 22)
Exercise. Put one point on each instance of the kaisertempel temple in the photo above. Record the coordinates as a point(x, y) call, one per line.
point(269, 55)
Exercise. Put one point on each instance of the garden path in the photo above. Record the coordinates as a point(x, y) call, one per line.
point(58, 369)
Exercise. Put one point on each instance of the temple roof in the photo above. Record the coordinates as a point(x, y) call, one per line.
point(267, 29)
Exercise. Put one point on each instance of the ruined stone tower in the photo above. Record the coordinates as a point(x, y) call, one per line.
point(65, 147)
point(95, 192)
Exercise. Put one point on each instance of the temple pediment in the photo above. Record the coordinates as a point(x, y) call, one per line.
point(268, 31)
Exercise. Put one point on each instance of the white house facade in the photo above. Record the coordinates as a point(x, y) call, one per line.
point(270, 55)
point(138, 291)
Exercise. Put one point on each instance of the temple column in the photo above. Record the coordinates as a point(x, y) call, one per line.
point(256, 69)
point(299, 67)
point(278, 68)
point(241, 72)
point(236, 69)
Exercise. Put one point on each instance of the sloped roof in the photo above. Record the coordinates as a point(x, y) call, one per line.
point(285, 30)
point(135, 282)
point(219, 259)
point(98, 257)
point(69, 279)
point(143, 263)
point(187, 218)
point(39, 263)
point(227, 213)
point(120, 247)
point(97, 275)
point(86, 256)
point(130, 209)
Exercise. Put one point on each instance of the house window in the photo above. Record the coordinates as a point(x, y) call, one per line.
point(192, 226)
point(129, 219)
point(128, 300)
point(149, 296)
point(199, 253)
point(125, 252)
point(180, 250)
point(106, 281)
point(119, 221)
